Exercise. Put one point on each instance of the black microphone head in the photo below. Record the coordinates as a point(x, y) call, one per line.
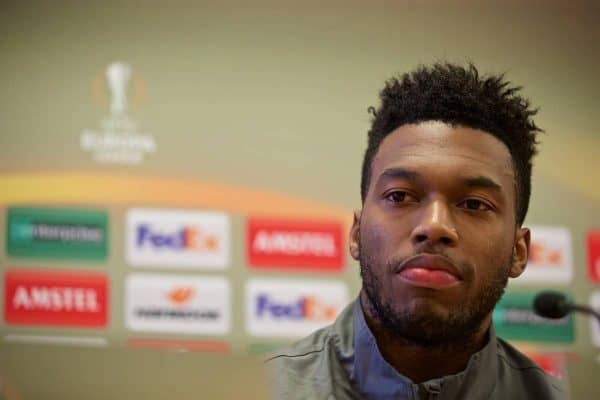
point(550, 304)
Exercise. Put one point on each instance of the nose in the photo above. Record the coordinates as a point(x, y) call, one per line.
point(434, 225)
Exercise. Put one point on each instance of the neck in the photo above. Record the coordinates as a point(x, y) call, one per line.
point(422, 363)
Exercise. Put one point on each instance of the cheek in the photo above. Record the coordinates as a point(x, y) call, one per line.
point(489, 246)
point(501, 246)
point(371, 240)
point(486, 239)
point(380, 238)
point(493, 254)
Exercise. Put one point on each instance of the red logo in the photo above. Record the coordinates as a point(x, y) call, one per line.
point(593, 240)
point(293, 244)
point(55, 298)
point(552, 364)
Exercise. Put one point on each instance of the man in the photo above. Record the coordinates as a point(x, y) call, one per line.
point(445, 188)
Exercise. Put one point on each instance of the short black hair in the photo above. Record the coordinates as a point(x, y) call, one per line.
point(458, 95)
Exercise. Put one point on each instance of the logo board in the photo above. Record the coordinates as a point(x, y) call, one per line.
point(173, 238)
point(283, 244)
point(57, 233)
point(593, 245)
point(55, 298)
point(550, 256)
point(292, 308)
point(177, 304)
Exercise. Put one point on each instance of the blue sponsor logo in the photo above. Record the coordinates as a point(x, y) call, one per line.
point(307, 308)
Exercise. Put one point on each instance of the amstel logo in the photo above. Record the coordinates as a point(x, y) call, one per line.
point(312, 245)
point(55, 298)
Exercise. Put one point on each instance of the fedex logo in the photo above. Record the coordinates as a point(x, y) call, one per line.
point(292, 308)
point(174, 238)
point(186, 238)
point(309, 308)
point(550, 256)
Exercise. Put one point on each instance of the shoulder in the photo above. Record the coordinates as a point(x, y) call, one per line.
point(521, 375)
point(302, 370)
point(304, 354)
point(308, 368)
point(321, 344)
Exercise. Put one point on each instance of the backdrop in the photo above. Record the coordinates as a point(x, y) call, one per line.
point(177, 180)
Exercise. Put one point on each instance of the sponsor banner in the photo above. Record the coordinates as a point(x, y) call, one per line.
point(594, 323)
point(55, 298)
point(593, 244)
point(169, 238)
point(57, 233)
point(292, 308)
point(514, 319)
point(282, 243)
point(177, 304)
point(550, 257)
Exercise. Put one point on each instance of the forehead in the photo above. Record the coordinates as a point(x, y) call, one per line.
point(436, 147)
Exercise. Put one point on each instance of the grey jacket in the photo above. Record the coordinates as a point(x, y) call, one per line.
point(316, 368)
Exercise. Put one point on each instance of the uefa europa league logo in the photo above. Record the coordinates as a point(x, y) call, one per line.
point(118, 75)
point(119, 89)
point(118, 141)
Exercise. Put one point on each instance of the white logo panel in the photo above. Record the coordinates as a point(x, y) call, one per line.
point(550, 256)
point(177, 304)
point(173, 238)
point(292, 308)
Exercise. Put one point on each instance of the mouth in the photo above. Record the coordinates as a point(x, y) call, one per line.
point(429, 271)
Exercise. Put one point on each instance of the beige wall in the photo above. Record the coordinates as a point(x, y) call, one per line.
point(272, 96)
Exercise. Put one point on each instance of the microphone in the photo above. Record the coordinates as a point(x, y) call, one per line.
point(554, 305)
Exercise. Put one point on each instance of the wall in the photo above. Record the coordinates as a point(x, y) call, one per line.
point(257, 110)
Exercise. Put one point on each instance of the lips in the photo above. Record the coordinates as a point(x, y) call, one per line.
point(430, 271)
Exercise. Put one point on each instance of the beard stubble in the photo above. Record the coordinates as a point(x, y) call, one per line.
point(423, 328)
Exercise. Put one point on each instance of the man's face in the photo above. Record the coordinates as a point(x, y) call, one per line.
point(436, 237)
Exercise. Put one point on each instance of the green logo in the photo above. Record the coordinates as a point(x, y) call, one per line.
point(514, 319)
point(22, 231)
point(57, 233)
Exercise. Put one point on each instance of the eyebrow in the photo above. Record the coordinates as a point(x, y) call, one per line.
point(481, 182)
point(471, 181)
point(400, 173)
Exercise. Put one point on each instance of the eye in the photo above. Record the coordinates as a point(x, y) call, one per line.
point(399, 196)
point(475, 205)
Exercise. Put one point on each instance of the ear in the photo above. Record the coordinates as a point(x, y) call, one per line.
point(355, 236)
point(520, 252)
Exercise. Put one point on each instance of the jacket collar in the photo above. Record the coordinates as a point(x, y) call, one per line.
point(374, 377)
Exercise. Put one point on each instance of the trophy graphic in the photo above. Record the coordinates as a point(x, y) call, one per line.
point(118, 141)
point(118, 75)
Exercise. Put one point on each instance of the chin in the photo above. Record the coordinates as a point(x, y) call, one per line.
point(424, 308)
